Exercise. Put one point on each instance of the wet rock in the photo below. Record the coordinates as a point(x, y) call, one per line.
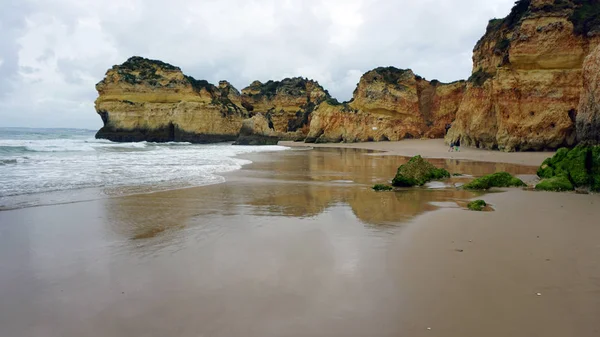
point(477, 205)
point(499, 179)
point(417, 172)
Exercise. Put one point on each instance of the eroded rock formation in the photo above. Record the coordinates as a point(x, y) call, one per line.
point(388, 104)
point(154, 101)
point(287, 104)
point(526, 82)
point(524, 94)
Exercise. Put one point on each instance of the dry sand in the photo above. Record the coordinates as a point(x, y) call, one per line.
point(435, 148)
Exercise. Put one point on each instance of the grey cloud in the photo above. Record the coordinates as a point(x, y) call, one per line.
point(332, 41)
point(12, 22)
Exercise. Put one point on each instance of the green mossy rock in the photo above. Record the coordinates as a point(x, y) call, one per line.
point(417, 172)
point(477, 205)
point(499, 179)
point(580, 166)
point(382, 187)
point(545, 171)
point(595, 170)
point(556, 184)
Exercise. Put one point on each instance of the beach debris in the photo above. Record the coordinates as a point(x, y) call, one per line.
point(498, 179)
point(428, 328)
point(539, 294)
point(477, 205)
point(417, 172)
point(382, 187)
point(460, 250)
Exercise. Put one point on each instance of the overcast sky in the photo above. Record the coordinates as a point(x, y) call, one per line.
point(53, 52)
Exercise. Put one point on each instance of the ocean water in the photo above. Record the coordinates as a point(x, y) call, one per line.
point(45, 166)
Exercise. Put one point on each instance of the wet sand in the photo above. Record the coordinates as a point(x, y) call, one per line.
point(297, 244)
point(435, 148)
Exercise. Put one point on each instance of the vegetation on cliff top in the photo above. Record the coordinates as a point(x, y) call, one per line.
point(417, 172)
point(570, 169)
point(498, 179)
point(586, 17)
point(140, 63)
point(584, 14)
point(296, 87)
point(391, 75)
point(479, 77)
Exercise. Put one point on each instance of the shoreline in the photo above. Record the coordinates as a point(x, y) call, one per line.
point(435, 148)
point(284, 240)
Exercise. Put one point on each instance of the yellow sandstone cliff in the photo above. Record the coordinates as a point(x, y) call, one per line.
point(525, 93)
point(526, 83)
point(588, 118)
point(150, 100)
point(287, 104)
point(388, 104)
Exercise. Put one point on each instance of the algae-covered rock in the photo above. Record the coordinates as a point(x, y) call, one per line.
point(477, 205)
point(556, 184)
point(498, 179)
point(382, 187)
point(417, 172)
point(595, 171)
point(580, 167)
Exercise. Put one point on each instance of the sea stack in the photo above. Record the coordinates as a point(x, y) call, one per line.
point(149, 100)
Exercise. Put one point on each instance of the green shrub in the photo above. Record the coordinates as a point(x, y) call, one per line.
point(499, 179)
point(586, 16)
point(479, 77)
point(502, 46)
point(557, 184)
point(477, 205)
point(417, 172)
point(382, 187)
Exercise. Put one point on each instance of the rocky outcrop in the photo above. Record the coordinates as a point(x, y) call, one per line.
point(526, 82)
point(588, 118)
point(257, 131)
point(569, 169)
point(287, 105)
point(525, 93)
point(151, 100)
point(388, 104)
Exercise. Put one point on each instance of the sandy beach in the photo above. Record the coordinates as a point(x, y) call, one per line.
point(435, 148)
point(297, 244)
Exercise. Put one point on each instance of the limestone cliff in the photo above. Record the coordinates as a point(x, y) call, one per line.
point(150, 100)
point(588, 118)
point(388, 104)
point(287, 105)
point(526, 82)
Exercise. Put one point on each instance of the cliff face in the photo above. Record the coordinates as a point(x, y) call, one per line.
point(588, 118)
point(526, 82)
point(388, 104)
point(154, 101)
point(287, 105)
point(525, 93)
